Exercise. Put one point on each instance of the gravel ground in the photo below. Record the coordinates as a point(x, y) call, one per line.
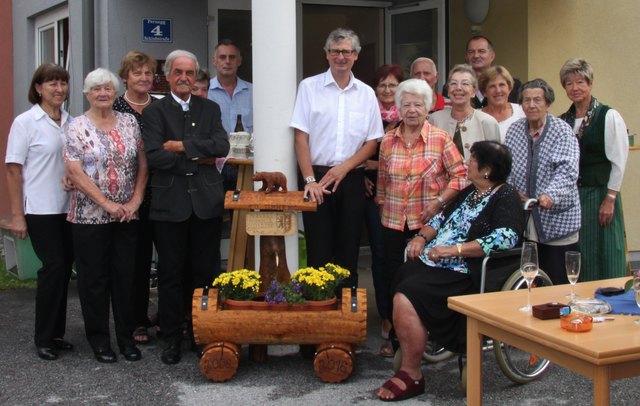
point(77, 379)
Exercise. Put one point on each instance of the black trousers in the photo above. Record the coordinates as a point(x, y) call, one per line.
point(105, 262)
point(189, 248)
point(333, 232)
point(51, 239)
point(144, 252)
point(551, 261)
point(394, 244)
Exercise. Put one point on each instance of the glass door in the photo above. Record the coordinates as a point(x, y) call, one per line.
point(416, 31)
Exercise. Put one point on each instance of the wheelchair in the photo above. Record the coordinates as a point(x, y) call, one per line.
point(519, 366)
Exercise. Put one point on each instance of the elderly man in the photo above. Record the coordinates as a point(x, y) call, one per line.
point(337, 124)
point(425, 69)
point(182, 136)
point(480, 54)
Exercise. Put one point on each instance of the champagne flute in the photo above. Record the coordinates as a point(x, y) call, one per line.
point(572, 265)
point(529, 269)
point(636, 291)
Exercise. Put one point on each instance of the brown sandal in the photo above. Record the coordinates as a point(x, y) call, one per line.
point(386, 350)
point(413, 387)
point(141, 335)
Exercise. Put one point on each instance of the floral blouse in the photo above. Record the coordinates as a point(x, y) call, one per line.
point(456, 229)
point(110, 160)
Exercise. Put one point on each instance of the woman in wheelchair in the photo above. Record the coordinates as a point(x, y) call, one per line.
point(443, 259)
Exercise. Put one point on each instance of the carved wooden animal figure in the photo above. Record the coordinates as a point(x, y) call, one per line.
point(271, 181)
point(273, 261)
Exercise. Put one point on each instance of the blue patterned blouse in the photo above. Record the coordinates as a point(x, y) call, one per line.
point(456, 229)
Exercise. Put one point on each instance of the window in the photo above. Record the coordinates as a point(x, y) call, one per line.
point(52, 37)
point(417, 30)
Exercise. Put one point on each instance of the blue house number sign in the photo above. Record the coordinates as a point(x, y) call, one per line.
point(156, 30)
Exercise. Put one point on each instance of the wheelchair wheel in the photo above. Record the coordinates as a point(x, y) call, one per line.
point(433, 352)
point(520, 366)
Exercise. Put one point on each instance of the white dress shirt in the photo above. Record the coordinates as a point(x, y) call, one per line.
point(35, 142)
point(616, 145)
point(183, 103)
point(517, 113)
point(338, 121)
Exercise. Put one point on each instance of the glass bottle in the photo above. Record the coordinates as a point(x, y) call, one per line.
point(239, 126)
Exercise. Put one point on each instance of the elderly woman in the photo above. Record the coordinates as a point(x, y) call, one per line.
point(484, 217)
point(545, 155)
point(496, 83)
point(604, 146)
point(385, 82)
point(465, 124)
point(137, 70)
point(39, 205)
point(420, 171)
point(201, 86)
point(105, 161)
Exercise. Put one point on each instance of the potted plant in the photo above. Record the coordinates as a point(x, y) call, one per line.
point(284, 296)
point(320, 284)
point(238, 286)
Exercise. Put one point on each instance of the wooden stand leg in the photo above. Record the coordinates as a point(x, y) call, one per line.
point(219, 361)
point(258, 353)
point(334, 362)
point(240, 243)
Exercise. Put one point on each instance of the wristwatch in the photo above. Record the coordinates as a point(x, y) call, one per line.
point(309, 179)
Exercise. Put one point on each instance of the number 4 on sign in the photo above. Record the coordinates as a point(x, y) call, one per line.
point(157, 31)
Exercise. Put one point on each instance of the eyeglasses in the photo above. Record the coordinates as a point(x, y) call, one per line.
point(345, 52)
point(390, 86)
point(463, 84)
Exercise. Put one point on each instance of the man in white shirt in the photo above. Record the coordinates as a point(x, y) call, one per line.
point(337, 123)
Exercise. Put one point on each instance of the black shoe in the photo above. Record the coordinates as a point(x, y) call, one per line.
point(197, 348)
point(60, 344)
point(131, 353)
point(171, 355)
point(105, 354)
point(47, 353)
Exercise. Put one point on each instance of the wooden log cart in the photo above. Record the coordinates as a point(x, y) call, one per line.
point(222, 331)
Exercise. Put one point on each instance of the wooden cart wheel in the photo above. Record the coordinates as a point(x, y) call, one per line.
point(219, 361)
point(333, 362)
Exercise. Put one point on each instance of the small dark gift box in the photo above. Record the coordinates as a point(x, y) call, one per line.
point(548, 310)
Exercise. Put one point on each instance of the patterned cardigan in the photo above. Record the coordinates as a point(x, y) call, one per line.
point(550, 167)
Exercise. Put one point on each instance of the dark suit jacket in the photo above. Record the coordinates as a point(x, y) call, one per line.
point(180, 186)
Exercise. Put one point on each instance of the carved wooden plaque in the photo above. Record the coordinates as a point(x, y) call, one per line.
point(271, 223)
point(248, 200)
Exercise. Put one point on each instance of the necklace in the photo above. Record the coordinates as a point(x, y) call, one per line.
point(475, 197)
point(460, 123)
point(55, 118)
point(134, 103)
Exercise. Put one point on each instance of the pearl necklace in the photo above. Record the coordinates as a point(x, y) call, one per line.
point(476, 197)
point(134, 103)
